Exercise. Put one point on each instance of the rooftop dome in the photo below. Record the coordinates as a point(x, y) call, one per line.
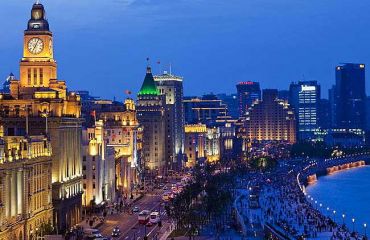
point(38, 20)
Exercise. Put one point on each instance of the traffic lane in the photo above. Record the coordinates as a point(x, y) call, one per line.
point(125, 221)
point(138, 231)
point(136, 228)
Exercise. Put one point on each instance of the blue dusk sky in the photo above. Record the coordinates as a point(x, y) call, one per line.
point(102, 45)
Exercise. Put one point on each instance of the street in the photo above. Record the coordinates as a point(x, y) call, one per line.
point(128, 224)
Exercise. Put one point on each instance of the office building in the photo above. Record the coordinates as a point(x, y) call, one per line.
point(325, 116)
point(248, 93)
point(98, 168)
point(25, 186)
point(171, 87)
point(350, 96)
point(205, 110)
point(122, 133)
point(151, 114)
point(304, 98)
point(270, 119)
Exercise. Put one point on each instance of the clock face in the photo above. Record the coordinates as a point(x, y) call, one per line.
point(35, 45)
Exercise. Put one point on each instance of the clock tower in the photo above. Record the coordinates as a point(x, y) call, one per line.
point(37, 66)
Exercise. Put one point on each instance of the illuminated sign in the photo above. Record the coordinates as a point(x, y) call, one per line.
point(308, 88)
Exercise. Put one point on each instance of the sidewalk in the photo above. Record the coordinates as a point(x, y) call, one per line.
point(100, 220)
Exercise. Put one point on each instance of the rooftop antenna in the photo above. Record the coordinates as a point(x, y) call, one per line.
point(170, 68)
point(159, 67)
point(148, 61)
point(37, 1)
point(303, 77)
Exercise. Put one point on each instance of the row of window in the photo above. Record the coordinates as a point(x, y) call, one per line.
point(37, 75)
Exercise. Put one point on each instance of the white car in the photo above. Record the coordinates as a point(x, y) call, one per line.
point(155, 217)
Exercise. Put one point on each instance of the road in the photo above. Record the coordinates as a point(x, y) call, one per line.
point(128, 224)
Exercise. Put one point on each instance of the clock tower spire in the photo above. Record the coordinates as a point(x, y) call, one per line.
point(37, 66)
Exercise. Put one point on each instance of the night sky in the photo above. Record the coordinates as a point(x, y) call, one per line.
point(102, 46)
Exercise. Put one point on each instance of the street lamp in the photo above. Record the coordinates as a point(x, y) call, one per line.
point(343, 216)
point(365, 229)
point(353, 225)
point(334, 214)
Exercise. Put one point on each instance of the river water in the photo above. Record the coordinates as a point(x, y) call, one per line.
point(347, 192)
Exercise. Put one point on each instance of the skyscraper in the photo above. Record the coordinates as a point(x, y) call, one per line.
point(332, 93)
point(270, 119)
point(151, 113)
point(248, 92)
point(350, 96)
point(325, 117)
point(172, 88)
point(304, 97)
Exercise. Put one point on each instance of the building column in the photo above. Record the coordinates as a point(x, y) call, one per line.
point(20, 191)
point(13, 193)
point(7, 191)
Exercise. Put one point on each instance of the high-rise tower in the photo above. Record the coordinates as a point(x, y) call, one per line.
point(172, 88)
point(350, 96)
point(151, 114)
point(304, 97)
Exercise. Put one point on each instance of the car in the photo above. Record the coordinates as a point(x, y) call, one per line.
point(149, 224)
point(144, 216)
point(155, 217)
point(94, 237)
point(136, 209)
point(116, 232)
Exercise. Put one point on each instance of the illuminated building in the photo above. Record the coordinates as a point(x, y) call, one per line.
point(201, 144)
point(98, 167)
point(248, 92)
point(350, 96)
point(39, 103)
point(195, 144)
point(228, 148)
point(204, 110)
point(151, 114)
point(172, 88)
point(122, 133)
point(270, 119)
point(304, 97)
point(213, 151)
point(25, 186)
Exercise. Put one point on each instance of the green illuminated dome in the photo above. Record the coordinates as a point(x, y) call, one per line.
point(148, 87)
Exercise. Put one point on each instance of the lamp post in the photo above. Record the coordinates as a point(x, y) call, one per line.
point(343, 216)
point(353, 225)
point(365, 229)
point(334, 214)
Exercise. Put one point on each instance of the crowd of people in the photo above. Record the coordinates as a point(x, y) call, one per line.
point(286, 207)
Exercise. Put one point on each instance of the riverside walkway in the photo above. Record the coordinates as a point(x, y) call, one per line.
point(288, 213)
